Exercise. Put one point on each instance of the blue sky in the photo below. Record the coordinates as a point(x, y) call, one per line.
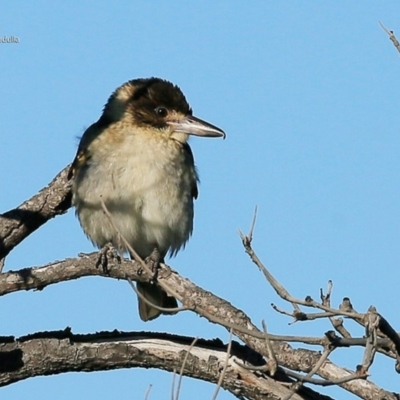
point(307, 93)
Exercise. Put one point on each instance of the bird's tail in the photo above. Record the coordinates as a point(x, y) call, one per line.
point(157, 296)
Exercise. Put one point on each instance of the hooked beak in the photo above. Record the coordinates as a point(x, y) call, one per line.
point(195, 126)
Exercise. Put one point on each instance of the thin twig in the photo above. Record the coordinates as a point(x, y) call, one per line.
point(337, 323)
point(302, 316)
point(285, 295)
point(317, 366)
point(132, 251)
point(173, 384)
point(392, 37)
point(326, 298)
point(148, 392)
point(282, 292)
point(324, 382)
point(221, 377)
point(253, 224)
point(135, 255)
point(169, 310)
point(272, 362)
point(183, 366)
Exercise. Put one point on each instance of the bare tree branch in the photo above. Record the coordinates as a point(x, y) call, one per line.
point(323, 370)
point(55, 200)
point(65, 352)
point(202, 302)
point(17, 224)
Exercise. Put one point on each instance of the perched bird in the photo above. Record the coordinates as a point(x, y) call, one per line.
point(136, 160)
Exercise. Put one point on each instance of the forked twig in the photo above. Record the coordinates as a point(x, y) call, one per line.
point(246, 240)
point(346, 309)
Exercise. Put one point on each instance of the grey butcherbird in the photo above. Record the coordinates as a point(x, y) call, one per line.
point(137, 160)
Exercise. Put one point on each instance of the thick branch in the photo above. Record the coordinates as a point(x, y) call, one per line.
point(17, 224)
point(202, 302)
point(50, 353)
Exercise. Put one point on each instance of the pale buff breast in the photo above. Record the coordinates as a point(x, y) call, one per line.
point(145, 182)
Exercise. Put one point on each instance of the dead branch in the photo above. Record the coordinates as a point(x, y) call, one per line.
point(17, 224)
point(65, 352)
point(318, 365)
point(55, 200)
point(198, 300)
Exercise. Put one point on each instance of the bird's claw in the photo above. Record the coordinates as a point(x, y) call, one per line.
point(108, 252)
point(153, 262)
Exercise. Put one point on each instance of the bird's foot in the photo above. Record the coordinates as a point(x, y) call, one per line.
point(108, 252)
point(153, 262)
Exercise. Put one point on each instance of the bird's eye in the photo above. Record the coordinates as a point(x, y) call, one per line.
point(161, 112)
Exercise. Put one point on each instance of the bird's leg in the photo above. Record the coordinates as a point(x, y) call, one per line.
point(153, 261)
point(107, 252)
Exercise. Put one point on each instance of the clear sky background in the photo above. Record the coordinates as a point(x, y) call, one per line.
point(308, 94)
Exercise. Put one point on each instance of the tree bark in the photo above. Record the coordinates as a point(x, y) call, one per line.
point(49, 353)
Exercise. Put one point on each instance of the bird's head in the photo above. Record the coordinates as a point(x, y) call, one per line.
point(157, 104)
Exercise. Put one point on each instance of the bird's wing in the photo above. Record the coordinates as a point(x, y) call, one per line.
point(82, 155)
point(194, 177)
